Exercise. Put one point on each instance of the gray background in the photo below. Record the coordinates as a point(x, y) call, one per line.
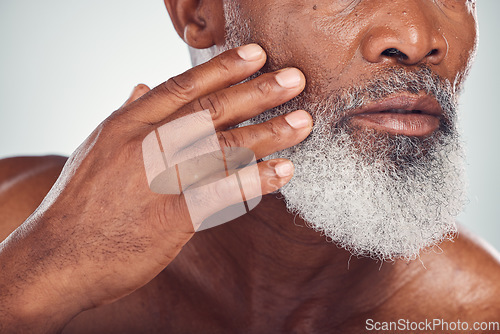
point(66, 65)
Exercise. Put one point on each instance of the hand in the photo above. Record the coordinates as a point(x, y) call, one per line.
point(101, 233)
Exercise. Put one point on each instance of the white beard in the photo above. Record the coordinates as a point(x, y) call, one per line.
point(385, 197)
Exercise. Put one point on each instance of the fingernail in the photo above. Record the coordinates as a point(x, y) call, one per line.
point(288, 78)
point(298, 119)
point(283, 169)
point(250, 52)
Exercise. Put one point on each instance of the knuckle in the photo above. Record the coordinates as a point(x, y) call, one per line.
point(216, 103)
point(229, 139)
point(264, 87)
point(224, 64)
point(181, 86)
point(275, 131)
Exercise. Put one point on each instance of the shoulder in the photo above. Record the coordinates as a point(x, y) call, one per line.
point(474, 262)
point(476, 268)
point(460, 278)
point(24, 182)
point(14, 166)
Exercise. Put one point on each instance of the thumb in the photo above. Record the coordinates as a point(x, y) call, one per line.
point(138, 91)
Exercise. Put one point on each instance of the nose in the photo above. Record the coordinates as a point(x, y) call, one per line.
point(407, 36)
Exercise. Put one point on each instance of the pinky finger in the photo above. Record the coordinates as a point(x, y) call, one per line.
point(274, 174)
point(228, 198)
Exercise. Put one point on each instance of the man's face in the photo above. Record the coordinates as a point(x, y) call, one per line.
point(381, 173)
point(341, 42)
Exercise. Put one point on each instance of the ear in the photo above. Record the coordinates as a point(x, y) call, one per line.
point(200, 23)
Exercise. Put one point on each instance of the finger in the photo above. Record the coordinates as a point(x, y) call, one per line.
point(227, 107)
point(208, 201)
point(194, 160)
point(222, 71)
point(274, 174)
point(274, 135)
point(236, 104)
point(137, 92)
point(267, 173)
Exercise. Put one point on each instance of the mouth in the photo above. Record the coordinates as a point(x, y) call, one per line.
point(401, 114)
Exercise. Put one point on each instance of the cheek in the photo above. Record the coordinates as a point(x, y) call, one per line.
point(321, 46)
point(462, 40)
point(459, 26)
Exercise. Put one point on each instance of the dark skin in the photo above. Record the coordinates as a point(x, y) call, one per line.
point(92, 260)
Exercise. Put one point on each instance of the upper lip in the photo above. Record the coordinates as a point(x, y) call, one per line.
point(424, 104)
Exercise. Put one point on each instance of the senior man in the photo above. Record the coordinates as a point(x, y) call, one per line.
point(377, 179)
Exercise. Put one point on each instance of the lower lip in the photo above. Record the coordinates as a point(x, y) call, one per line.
point(416, 125)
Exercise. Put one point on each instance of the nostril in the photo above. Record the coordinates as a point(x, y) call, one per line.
point(432, 52)
point(393, 52)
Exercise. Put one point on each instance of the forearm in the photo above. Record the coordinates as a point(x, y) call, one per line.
point(35, 296)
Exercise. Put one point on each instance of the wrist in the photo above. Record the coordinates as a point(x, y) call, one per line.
point(35, 296)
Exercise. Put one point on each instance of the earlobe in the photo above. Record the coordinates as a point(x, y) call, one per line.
point(195, 36)
point(200, 23)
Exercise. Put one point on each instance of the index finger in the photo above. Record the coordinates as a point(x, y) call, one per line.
point(222, 71)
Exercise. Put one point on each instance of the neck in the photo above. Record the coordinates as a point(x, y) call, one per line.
point(277, 257)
